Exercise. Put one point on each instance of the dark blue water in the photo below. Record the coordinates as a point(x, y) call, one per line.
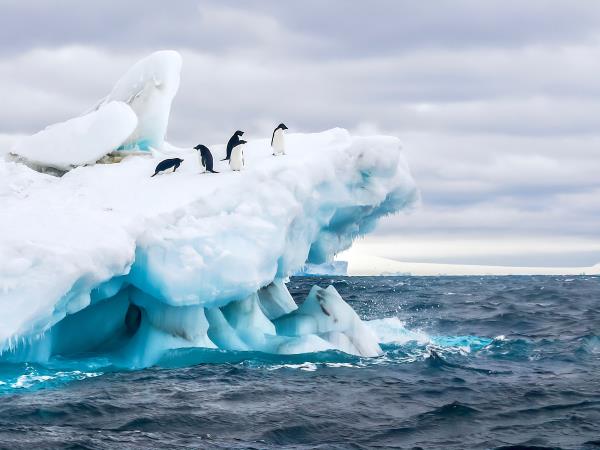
point(477, 362)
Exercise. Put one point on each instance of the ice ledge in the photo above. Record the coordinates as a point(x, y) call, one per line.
point(187, 239)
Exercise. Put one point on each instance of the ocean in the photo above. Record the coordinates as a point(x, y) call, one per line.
point(469, 362)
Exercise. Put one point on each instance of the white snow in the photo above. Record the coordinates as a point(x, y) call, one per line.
point(78, 141)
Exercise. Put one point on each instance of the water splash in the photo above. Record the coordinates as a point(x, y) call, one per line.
point(30, 377)
point(401, 345)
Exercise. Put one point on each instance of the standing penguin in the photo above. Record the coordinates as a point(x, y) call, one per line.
point(205, 158)
point(233, 141)
point(277, 140)
point(236, 162)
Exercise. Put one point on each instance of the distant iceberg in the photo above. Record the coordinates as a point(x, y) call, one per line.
point(337, 268)
point(365, 264)
point(108, 261)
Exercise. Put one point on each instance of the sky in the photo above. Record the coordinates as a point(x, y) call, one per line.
point(497, 103)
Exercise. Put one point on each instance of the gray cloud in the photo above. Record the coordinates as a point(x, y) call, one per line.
point(344, 28)
point(497, 103)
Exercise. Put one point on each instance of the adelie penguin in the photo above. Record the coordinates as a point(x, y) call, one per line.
point(167, 164)
point(278, 141)
point(233, 141)
point(236, 162)
point(205, 157)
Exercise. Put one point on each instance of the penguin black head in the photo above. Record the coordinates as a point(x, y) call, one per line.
point(239, 133)
point(201, 147)
point(281, 126)
point(179, 160)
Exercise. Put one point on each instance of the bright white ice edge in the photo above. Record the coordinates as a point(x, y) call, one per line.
point(107, 260)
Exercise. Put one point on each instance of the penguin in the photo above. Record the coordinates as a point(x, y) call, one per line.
point(167, 164)
point(233, 141)
point(277, 140)
point(205, 157)
point(236, 162)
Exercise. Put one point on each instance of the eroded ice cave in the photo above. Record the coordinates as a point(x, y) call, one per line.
point(106, 260)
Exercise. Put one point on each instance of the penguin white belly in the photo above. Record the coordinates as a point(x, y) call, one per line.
point(236, 162)
point(278, 143)
point(202, 167)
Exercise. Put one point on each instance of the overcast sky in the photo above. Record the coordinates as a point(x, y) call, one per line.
point(497, 102)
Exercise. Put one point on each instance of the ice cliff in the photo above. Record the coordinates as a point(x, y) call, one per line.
point(106, 260)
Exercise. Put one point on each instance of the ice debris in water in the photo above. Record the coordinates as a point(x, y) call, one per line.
point(327, 315)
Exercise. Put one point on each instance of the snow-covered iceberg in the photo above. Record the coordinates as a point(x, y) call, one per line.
point(108, 258)
point(134, 115)
point(108, 261)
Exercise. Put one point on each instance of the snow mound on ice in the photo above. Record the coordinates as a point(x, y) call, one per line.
point(79, 141)
point(149, 88)
point(135, 115)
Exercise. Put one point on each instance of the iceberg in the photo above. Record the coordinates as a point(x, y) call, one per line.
point(108, 261)
point(335, 268)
